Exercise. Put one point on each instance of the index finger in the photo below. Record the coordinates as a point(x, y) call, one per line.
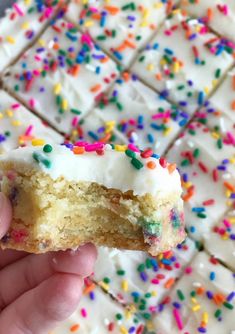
point(5, 214)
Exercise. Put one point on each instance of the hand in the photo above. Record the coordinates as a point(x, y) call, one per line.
point(38, 291)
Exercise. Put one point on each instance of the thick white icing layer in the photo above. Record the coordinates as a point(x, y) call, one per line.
point(113, 169)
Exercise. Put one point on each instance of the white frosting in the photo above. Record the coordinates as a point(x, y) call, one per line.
point(223, 283)
point(205, 188)
point(75, 90)
point(94, 316)
point(15, 121)
point(133, 25)
point(113, 170)
point(222, 17)
point(176, 41)
point(154, 280)
point(220, 243)
point(138, 101)
point(16, 27)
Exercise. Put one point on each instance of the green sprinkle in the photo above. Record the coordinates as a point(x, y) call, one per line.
point(219, 143)
point(196, 153)
point(201, 215)
point(228, 305)
point(106, 280)
point(75, 111)
point(180, 295)
point(47, 148)
point(185, 162)
point(141, 267)
point(121, 272)
point(118, 316)
point(130, 153)
point(137, 163)
point(218, 313)
point(218, 73)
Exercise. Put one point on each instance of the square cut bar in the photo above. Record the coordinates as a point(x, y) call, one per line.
point(64, 196)
point(140, 115)
point(217, 14)
point(21, 25)
point(19, 127)
point(185, 61)
point(206, 165)
point(201, 302)
point(121, 28)
point(61, 76)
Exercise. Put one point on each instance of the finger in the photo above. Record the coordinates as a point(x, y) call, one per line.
point(5, 214)
point(39, 310)
point(30, 271)
point(8, 256)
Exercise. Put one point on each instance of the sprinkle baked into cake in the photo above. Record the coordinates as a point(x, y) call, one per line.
point(66, 195)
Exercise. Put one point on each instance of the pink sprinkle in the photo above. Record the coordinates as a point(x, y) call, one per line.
point(48, 12)
point(132, 121)
point(80, 143)
point(36, 73)
point(83, 313)
point(177, 265)
point(168, 33)
point(37, 58)
point(161, 115)
point(188, 270)
point(87, 39)
point(29, 130)
point(94, 147)
point(227, 223)
point(15, 105)
point(75, 121)
point(18, 10)
point(93, 9)
point(178, 319)
point(32, 103)
point(231, 137)
point(133, 148)
point(155, 281)
point(153, 309)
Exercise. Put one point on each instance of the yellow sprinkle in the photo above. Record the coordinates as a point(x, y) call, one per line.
point(128, 314)
point(215, 135)
point(27, 2)
point(10, 39)
point(150, 67)
point(144, 24)
point(120, 148)
point(125, 285)
point(41, 42)
point(9, 113)
point(205, 317)
point(176, 67)
point(57, 88)
point(123, 330)
point(232, 160)
point(88, 24)
point(167, 132)
point(132, 308)
point(160, 256)
point(158, 5)
point(229, 203)
point(196, 308)
point(16, 123)
point(154, 293)
point(64, 104)
point(228, 193)
point(25, 25)
point(103, 285)
point(206, 90)
point(1, 116)
point(225, 237)
point(163, 62)
point(232, 220)
point(150, 325)
point(38, 142)
point(194, 300)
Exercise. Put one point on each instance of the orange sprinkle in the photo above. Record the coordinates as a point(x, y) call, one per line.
point(187, 197)
point(74, 328)
point(106, 138)
point(158, 76)
point(233, 105)
point(56, 46)
point(95, 88)
point(218, 299)
point(96, 16)
point(104, 60)
point(169, 283)
point(200, 290)
point(171, 168)
point(121, 47)
point(229, 186)
point(78, 150)
point(151, 165)
point(209, 14)
point(112, 10)
point(75, 70)
point(126, 76)
point(217, 113)
point(89, 288)
point(130, 44)
point(152, 26)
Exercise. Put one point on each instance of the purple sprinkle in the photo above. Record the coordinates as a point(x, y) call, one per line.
point(2, 138)
point(231, 296)
point(209, 294)
point(232, 236)
point(143, 276)
point(131, 330)
point(176, 305)
point(202, 330)
point(92, 295)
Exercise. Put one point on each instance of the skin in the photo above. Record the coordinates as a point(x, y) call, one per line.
point(39, 291)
